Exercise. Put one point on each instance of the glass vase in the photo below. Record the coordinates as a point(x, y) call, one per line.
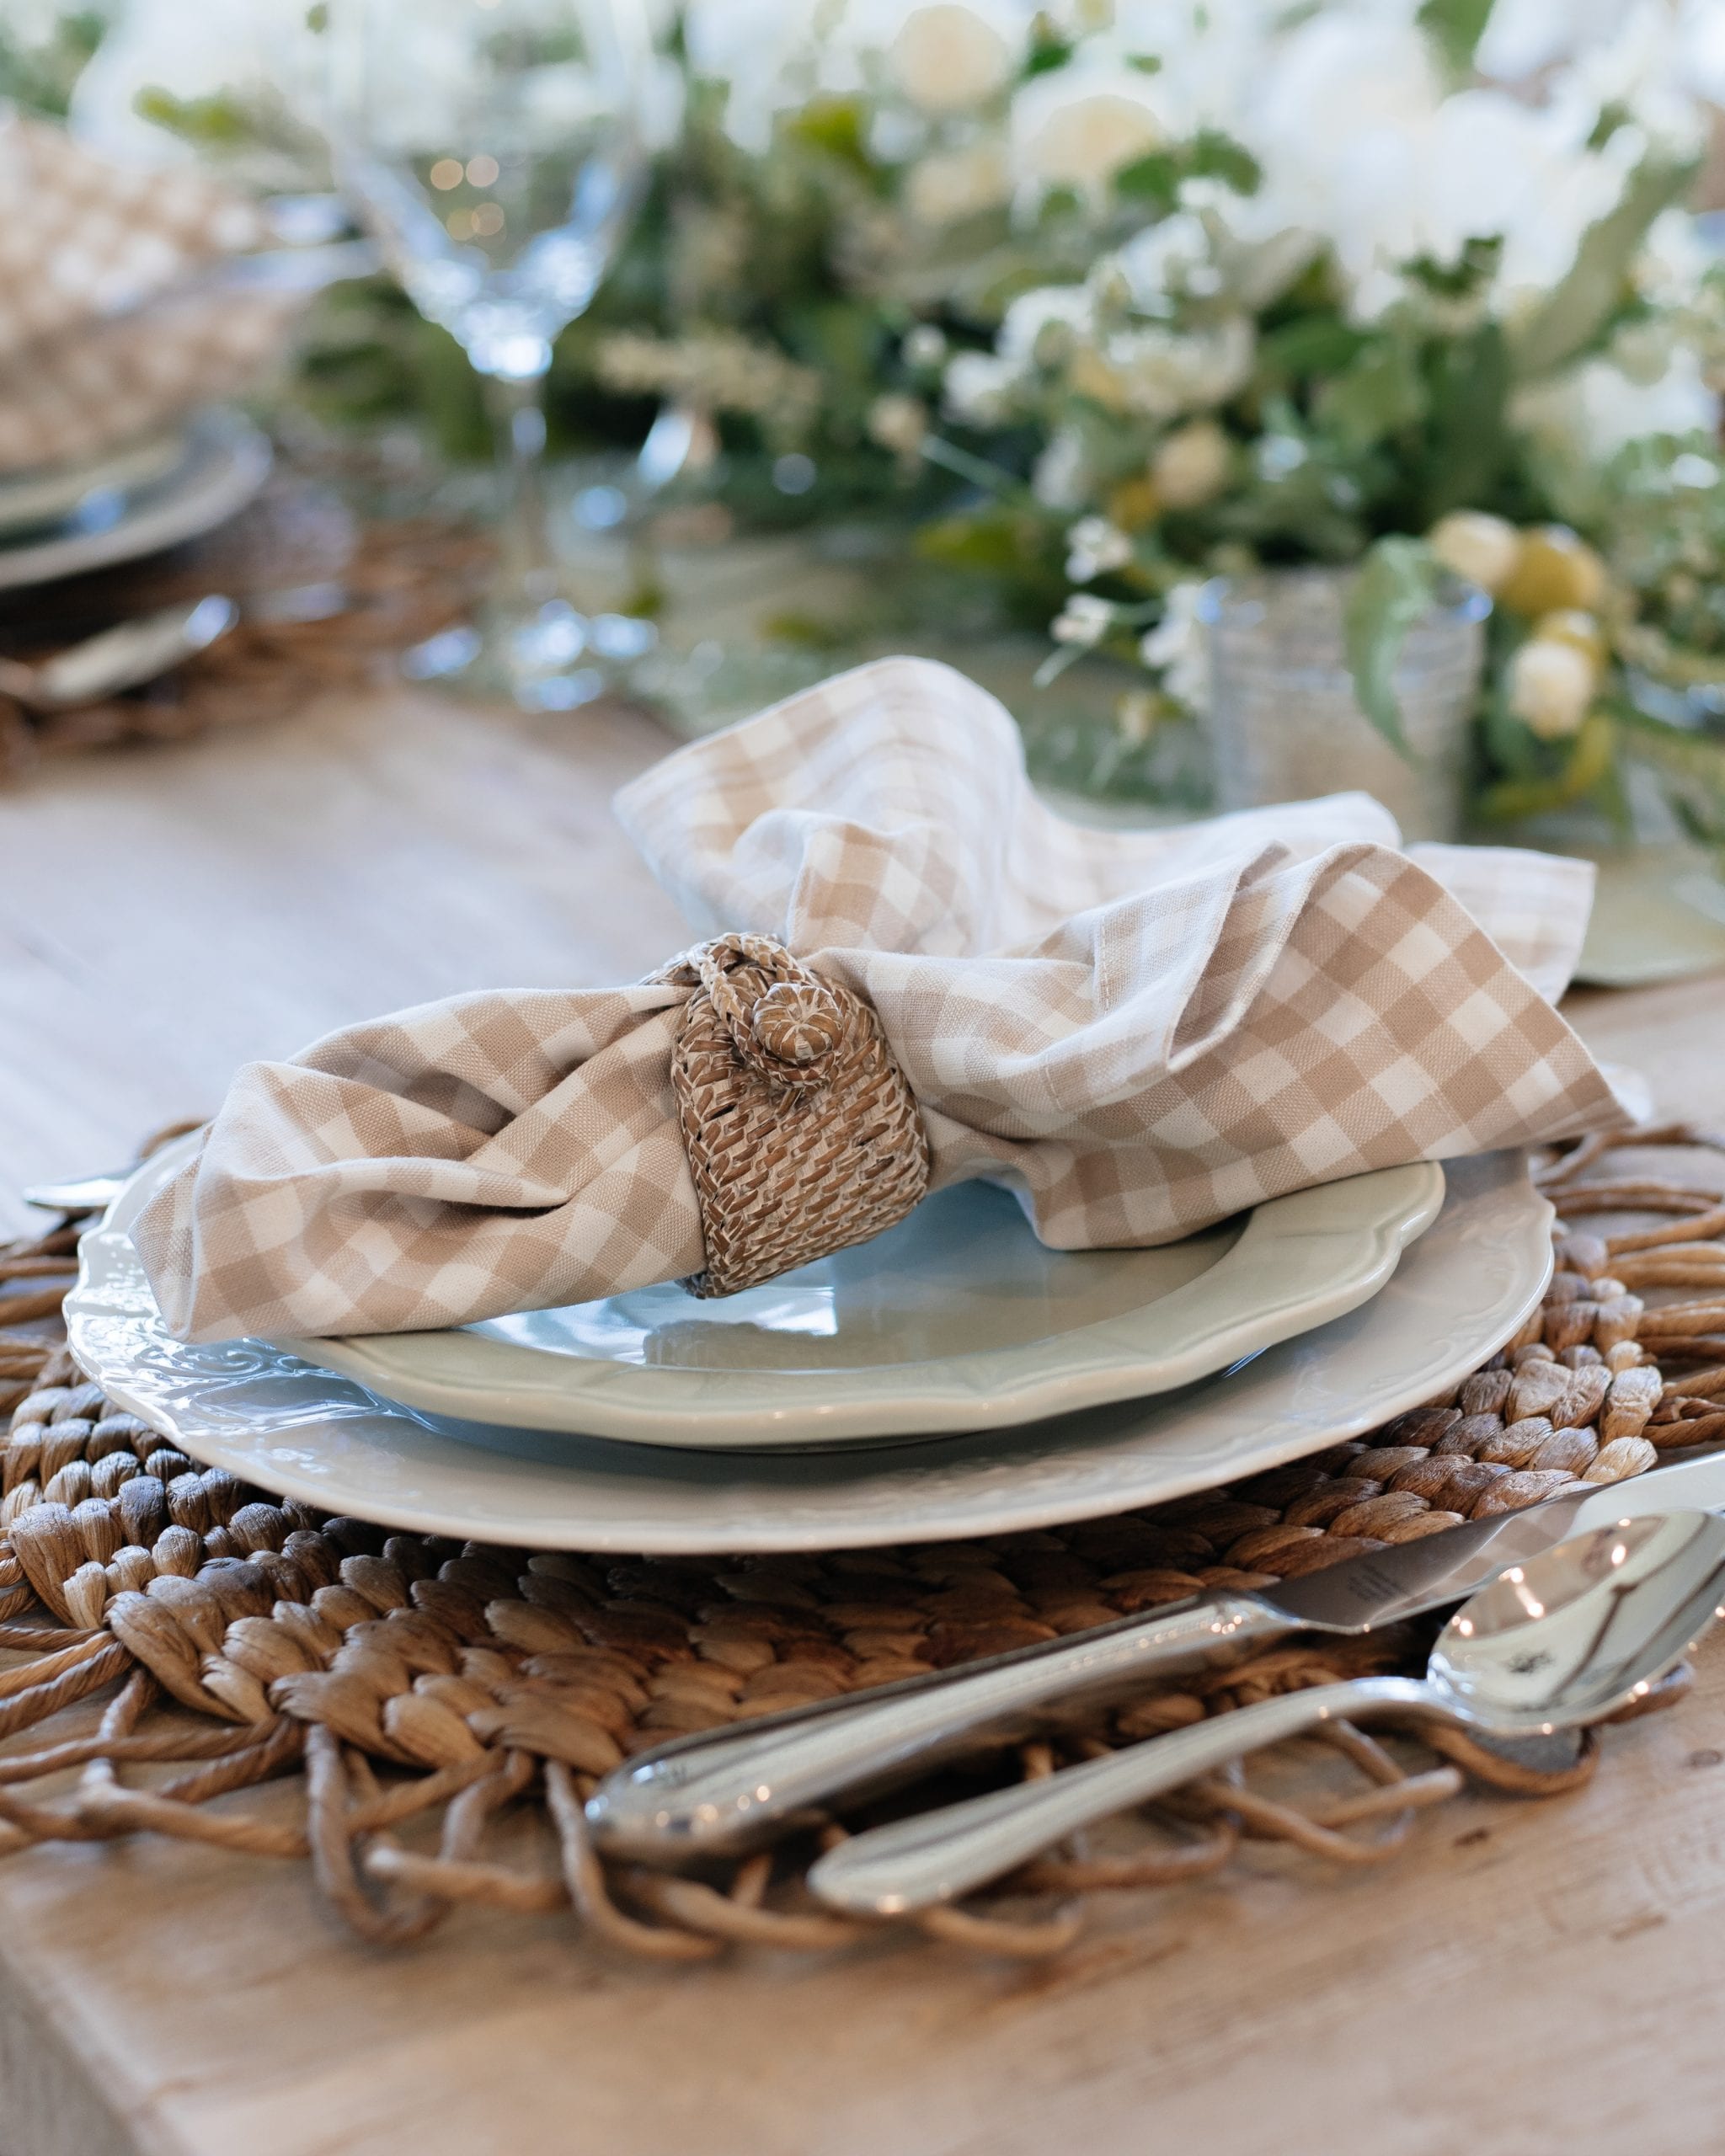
point(1285, 723)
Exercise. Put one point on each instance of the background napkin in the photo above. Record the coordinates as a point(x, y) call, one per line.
point(114, 318)
point(1141, 1032)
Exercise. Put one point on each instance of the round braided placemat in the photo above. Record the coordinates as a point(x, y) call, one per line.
point(417, 1686)
point(326, 603)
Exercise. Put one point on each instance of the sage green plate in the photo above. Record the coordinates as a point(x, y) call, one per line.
point(958, 1319)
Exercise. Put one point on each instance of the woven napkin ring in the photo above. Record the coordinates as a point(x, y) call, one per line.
point(802, 1135)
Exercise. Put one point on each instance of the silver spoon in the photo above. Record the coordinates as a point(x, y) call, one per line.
point(1564, 1640)
point(120, 658)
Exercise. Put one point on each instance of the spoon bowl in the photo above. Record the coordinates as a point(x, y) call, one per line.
point(1565, 1639)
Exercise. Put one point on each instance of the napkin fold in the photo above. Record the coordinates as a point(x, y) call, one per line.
point(1138, 1032)
point(114, 318)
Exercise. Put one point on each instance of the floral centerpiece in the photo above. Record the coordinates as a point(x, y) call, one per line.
point(1097, 301)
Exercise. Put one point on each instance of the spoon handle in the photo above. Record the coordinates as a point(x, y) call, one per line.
point(936, 1856)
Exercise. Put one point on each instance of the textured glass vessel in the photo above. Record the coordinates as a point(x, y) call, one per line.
point(1285, 723)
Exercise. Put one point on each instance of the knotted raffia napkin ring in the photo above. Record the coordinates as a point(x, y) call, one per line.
point(802, 1135)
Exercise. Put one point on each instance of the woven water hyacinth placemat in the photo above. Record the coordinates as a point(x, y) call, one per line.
point(327, 602)
point(415, 1686)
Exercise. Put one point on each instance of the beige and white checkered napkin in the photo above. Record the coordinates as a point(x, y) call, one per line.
point(113, 322)
point(1140, 1033)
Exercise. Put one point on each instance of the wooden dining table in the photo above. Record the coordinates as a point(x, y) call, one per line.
point(1521, 1976)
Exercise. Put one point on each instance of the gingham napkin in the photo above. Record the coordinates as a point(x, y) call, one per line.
point(1138, 1032)
point(112, 318)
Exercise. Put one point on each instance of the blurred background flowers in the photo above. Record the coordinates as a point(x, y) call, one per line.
point(1030, 323)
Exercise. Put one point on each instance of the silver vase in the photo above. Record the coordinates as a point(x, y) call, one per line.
point(1285, 724)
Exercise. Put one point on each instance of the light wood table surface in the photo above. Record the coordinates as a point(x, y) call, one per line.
point(1523, 1978)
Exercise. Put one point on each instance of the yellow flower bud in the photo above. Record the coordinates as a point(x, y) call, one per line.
point(1581, 630)
point(1554, 570)
point(1551, 686)
point(1482, 549)
point(1091, 376)
point(1191, 466)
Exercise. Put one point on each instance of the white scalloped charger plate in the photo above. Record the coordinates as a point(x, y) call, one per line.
point(225, 461)
point(958, 1319)
point(275, 1421)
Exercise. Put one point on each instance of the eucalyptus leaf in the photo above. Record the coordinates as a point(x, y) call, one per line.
point(1573, 315)
point(1395, 584)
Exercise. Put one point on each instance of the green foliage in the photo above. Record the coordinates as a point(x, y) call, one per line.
point(1456, 28)
point(1153, 182)
point(37, 77)
point(1395, 584)
point(1381, 392)
point(1579, 310)
point(1564, 775)
point(212, 122)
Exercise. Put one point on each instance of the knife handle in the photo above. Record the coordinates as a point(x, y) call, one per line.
point(740, 1787)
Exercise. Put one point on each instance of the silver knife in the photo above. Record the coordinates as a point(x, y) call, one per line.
point(733, 1788)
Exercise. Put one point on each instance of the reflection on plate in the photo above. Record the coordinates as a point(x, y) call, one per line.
point(226, 460)
point(958, 1319)
point(88, 496)
point(277, 1422)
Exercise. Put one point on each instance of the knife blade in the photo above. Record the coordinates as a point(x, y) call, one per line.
point(720, 1792)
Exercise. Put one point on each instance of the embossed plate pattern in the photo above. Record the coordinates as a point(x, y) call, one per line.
point(278, 1421)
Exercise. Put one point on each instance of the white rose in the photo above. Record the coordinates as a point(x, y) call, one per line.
point(1479, 548)
point(1191, 466)
point(1551, 686)
point(1077, 126)
point(948, 57)
point(950, 184)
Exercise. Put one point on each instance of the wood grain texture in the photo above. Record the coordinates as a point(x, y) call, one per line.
point(1522, 1979)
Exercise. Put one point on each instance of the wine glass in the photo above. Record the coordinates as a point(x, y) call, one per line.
point(497, 149)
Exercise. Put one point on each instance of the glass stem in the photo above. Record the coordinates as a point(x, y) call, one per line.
point(528, 573)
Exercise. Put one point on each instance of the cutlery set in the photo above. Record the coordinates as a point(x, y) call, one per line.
point(1577, 1606)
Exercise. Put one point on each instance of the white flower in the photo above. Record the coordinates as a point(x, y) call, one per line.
point(1190, 466)
point(1085, 620)
point(949, 184)
point(949, 56)
point(1040, 326)
point(1178, 649)
point(1061, 477)
point(979, 388)
point(1157, 374)
point(1095, 546)
point(248, 48)
point(1551, 686)
point(1166, 260)
point(924, 346)
point(898, 423)
point(1590, 413)
point(1480, 549)
point(1076, 126)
